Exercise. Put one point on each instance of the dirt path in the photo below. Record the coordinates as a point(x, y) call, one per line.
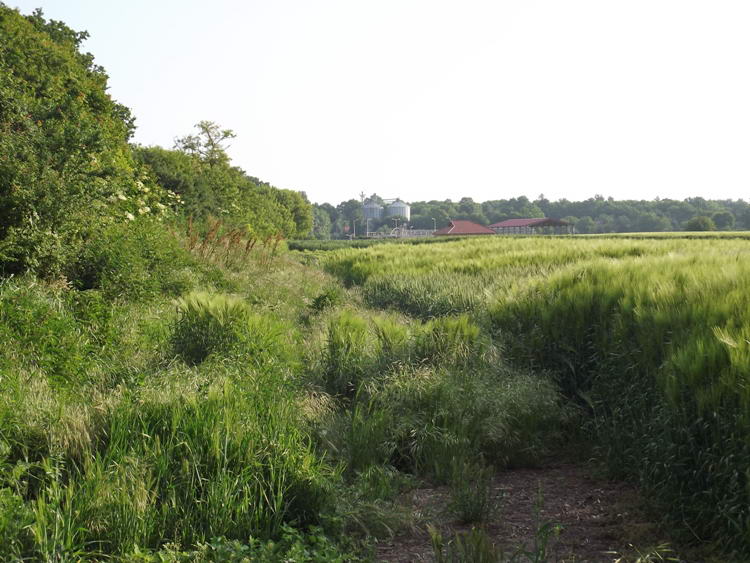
point(600, 520)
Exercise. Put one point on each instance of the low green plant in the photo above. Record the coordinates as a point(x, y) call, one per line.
point(472, 496)
point(39, 331)
point(452, 341)
point(395, 343)
point(474, 546)
point(330, 297)
point(347, 358)
point(304, 546)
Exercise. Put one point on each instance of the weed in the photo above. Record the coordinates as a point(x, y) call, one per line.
point(473, 499)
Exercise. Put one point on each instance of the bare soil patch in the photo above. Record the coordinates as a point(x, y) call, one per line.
point(601, 520)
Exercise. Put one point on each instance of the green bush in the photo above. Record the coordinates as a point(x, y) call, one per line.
point(133, 261)
point(65, 162)
point(330, 297)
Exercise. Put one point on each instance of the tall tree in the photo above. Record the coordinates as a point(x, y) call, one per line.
point(209, 143)
point(65, 162)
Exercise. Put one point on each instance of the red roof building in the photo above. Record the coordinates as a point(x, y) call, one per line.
point(528, 226)
point(457, 228)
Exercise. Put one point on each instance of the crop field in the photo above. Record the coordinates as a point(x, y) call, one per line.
point(179, 400)
point(650, 337)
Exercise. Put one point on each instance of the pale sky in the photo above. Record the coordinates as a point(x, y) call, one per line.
point(425, 99)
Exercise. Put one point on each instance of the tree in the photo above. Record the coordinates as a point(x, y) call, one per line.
point(65, 162)
point(321, 223)
point(209, 144)
point(585, 225)
point(724, 220)
point(700, 223)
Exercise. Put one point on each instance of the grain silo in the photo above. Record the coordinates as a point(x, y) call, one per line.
point(372, 210)
point(398, 209)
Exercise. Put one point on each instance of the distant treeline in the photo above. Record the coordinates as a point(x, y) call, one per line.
point(594, 215)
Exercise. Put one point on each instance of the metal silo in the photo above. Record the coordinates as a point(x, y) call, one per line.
point(398, 209)
point(372, 210)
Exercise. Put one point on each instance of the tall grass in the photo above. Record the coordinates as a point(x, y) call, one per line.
point(126, 427)
point(224, 325)
point(647, 335)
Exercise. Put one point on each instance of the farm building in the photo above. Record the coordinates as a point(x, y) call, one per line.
point(457, 228)
point(531, 226)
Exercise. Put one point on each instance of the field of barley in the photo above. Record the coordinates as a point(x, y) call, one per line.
point(648, 336)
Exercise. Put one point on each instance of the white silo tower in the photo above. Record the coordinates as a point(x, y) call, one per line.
point(398, 209)
point(372, 210)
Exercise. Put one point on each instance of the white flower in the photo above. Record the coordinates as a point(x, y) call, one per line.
point(120, 196)
point(129, 216)
point(144, 209)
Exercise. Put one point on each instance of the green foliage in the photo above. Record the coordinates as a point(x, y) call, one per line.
point(136, 260)
point(645, 333)
point(311, 546)
point(474, 546)
point(700, 223)
point(223, 325)
point(64, 159)
point(348, 354)
point(15, 518)
point(724, 220)
point(438, 418)
point(473, 499)
point(449, 341)
point(423, 297)
point(186, 468)
point(200, 173)
point(38, 331)
point(330, 297)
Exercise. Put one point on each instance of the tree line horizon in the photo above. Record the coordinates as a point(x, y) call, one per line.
point(590, 216)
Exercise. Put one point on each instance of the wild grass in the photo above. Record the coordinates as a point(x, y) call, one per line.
point(223, 325)
point(126, 425)
point(224, 409)
point(473, 499)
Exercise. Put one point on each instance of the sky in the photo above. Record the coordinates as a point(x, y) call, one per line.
point(427, 99)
